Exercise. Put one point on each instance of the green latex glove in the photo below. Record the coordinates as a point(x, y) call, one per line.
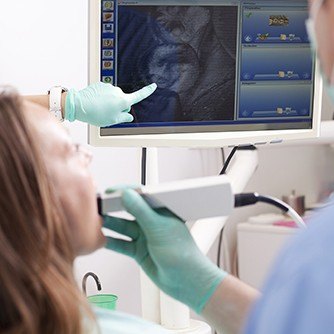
point(103, 104)
point(164, 248)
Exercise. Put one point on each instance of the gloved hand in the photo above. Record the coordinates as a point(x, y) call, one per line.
point(164, 248)
point(103, 104)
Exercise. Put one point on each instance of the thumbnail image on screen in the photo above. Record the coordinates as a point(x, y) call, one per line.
point(189, 51)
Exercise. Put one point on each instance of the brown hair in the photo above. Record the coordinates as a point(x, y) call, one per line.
point(38, 292)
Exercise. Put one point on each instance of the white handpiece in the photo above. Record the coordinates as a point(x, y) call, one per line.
point(190, 199)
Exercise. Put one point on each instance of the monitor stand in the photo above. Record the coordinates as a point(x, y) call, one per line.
point(158, 307)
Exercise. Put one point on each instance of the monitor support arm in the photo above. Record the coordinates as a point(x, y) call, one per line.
point(158, 307)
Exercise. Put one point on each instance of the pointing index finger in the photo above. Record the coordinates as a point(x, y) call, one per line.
point(142, 94)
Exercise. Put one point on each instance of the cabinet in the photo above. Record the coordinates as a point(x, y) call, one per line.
point(258, 247)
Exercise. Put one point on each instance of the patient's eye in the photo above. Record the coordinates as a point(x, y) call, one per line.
point(83, 152)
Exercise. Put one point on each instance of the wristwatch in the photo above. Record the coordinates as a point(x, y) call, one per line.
point(55, 101)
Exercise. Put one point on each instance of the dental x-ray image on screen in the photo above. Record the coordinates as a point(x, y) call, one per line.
point(189, 51)
point(220, 65)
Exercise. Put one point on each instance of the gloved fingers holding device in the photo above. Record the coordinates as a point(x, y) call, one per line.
point(103, 104)
point(166, 251)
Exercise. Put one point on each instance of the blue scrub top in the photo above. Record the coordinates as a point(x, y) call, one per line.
point(299, 295)
point(113, 322)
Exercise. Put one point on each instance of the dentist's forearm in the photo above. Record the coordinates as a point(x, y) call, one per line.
point(229, 307)
point(43, 100)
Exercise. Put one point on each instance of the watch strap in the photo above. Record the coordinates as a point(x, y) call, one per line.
point(55, 97)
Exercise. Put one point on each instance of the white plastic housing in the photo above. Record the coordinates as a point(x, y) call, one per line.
point(190, 199)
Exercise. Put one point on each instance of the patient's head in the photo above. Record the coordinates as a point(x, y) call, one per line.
point(181, 24)
point(47, 210)
point(173, 67)
point(69, 177)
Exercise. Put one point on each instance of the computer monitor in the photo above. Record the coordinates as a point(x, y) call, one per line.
point(228, 72)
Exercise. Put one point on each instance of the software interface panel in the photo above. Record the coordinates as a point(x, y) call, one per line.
point(218, 64)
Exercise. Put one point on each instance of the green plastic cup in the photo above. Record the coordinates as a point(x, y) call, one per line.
point(104, 301)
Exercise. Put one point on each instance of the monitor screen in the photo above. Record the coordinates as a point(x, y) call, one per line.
point(221, 66)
